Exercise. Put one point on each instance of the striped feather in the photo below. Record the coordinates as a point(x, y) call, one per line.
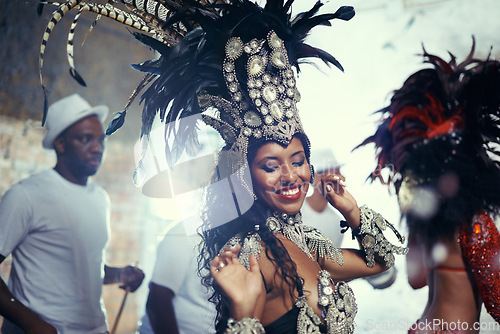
point(131, 19)
point(70, 50)
point(57, 15)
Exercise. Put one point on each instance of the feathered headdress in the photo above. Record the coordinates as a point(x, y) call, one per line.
point(231, 61)
point(438, 139)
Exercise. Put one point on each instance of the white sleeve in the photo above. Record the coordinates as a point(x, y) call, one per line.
point(15, 218)
point(173, 259)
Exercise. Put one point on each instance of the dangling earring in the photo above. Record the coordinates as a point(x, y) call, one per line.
point(313, 175)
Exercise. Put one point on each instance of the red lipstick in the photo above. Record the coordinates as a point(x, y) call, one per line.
point(290, 193)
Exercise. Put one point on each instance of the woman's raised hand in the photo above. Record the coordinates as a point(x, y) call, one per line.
point(333, 188)
point(244, 287)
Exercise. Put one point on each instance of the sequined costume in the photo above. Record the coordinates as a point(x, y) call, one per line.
point(480, 244)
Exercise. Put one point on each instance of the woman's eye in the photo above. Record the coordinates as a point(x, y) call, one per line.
point(298, 163)
point(269, 168)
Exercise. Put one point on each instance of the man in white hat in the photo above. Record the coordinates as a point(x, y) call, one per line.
point(55, 225)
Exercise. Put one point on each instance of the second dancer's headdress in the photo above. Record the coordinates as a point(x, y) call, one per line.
point(438, 139)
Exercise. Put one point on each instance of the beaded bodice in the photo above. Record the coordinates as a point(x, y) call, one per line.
point(335, 299)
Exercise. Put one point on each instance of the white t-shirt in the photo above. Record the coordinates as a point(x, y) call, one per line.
point(57, 231)
point(176, 268)
point(327, 221)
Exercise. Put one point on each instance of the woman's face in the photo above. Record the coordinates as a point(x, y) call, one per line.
point(281, 175)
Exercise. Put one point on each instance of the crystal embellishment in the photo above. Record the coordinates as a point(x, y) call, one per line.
point(274, 41)
point(269, 93)
point(279, 59)
point(227, 134)
point(276, 110)
point(256, 66)
point(251, 118)
point(234, 48)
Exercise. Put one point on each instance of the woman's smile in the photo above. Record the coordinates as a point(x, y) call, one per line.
point(289, 193)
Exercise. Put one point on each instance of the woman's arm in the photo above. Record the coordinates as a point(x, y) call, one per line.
point(354, 266)
point(376, 253)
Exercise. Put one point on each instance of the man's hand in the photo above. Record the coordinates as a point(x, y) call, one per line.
point(131, 278)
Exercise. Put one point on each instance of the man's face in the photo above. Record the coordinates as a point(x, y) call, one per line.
point(80, 147)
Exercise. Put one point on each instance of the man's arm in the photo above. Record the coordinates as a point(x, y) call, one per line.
point(160, 309)
point(16, 312)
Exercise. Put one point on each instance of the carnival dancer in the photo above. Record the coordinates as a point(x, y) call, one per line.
point(233, 62)
point(438, 135)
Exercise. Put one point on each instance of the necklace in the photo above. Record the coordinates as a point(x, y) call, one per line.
point(291, 228)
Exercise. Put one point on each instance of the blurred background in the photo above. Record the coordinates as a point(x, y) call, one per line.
point(378, 49)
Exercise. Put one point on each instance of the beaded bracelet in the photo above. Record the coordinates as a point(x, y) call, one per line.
point(371, 237)
point(244, 326)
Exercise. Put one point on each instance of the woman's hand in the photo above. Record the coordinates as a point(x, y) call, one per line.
point(333, 188)
point(244, 287)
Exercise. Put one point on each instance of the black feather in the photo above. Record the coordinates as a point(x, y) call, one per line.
point(77, 77)
point(116, 123)
point(194, 65)
point(39, 9)
point(45, 105)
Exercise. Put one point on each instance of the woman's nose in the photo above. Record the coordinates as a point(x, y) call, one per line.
point(288, 174)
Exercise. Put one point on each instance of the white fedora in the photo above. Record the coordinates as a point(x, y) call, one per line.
point(66, 112)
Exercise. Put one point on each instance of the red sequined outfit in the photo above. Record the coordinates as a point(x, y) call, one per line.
point(481, 252)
